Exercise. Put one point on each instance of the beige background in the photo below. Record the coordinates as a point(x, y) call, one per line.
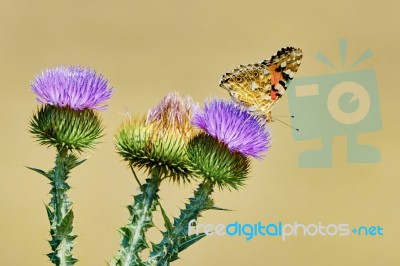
point(148, 48)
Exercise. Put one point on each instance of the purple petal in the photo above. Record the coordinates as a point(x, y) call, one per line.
point(234, 126)
point(73, 86)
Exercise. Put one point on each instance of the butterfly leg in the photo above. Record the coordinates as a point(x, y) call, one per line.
point(269, 117)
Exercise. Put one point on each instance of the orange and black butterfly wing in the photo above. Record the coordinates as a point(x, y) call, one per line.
point(259, 86)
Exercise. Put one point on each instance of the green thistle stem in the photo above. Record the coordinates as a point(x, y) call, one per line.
point(61, 213)
point(133, 239)
point(177, 239)
point(59, 209)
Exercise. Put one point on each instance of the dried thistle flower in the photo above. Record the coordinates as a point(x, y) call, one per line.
point(161, 139)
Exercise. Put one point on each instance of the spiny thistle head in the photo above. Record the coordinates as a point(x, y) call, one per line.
point(73, 86)
point(66, 128)
point(216, 163)
point(234, 126)
point(70, 95)
point(174, 113)
point(160, 140)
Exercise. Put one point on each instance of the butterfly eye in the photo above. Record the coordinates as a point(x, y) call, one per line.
point(238, 79)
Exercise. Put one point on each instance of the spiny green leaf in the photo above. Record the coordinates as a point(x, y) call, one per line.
point(220, 209)
point(72, 161)
point(133, 238)
point(171, 244)
point(40, 172)
point(190, 240)
point(65, 227)
point(54, 243)
point(167, 221)
point(78, 163)
point(126, 236)
point(50, 214)
point(53, 258)
point(70, 260)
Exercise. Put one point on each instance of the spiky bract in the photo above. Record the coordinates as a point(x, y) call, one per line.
point(216, 163)
point(66, 128)
point(145, 146)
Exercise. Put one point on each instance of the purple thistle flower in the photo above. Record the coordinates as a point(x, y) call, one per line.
point(72, 86)
point(233, 126)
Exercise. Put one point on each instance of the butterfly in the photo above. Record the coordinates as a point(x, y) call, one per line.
point(259, 86)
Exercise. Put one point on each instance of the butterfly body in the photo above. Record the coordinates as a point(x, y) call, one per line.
point(259, 86)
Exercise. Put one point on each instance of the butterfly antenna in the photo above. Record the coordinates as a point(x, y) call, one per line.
point(286, 124)
point(291, 116)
